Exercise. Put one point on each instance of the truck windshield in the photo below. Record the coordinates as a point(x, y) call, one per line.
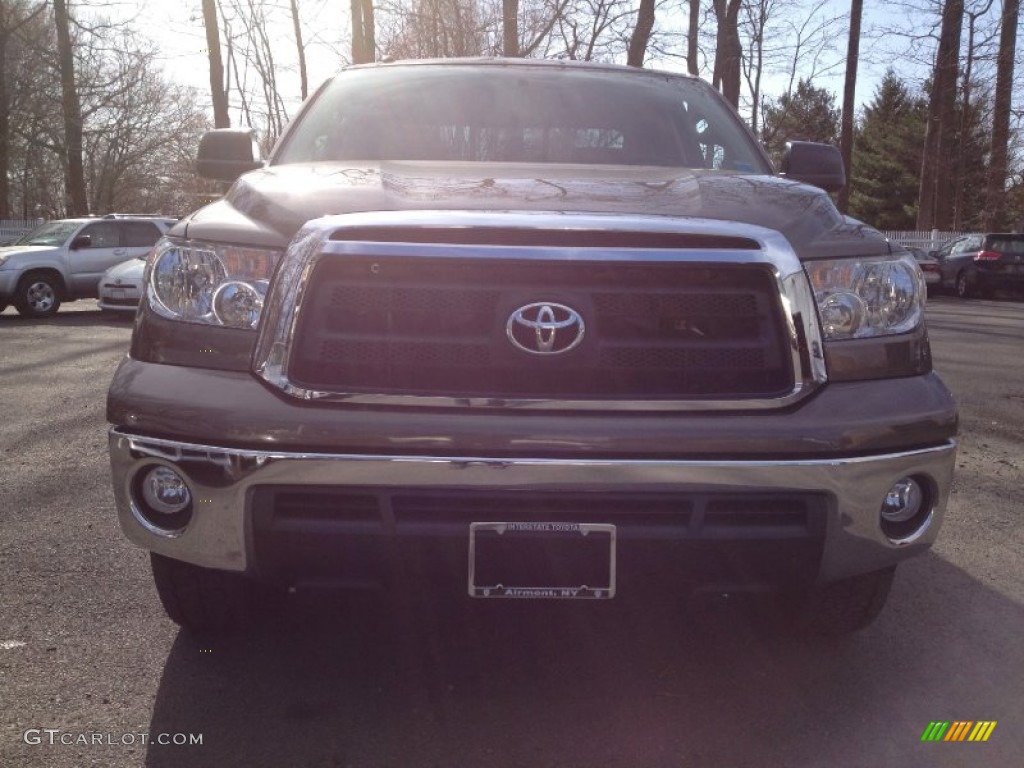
point(520, 114)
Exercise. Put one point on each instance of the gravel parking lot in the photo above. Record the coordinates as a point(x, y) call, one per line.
point(88, 657)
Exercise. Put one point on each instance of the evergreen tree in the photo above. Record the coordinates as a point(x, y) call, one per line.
point(808, 114)
point(887, 155)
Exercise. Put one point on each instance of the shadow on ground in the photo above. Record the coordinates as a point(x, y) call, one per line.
point(445, 681)
point(72, 314)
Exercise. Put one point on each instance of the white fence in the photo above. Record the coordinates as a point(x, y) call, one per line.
point(927, 241)
point(13, 228)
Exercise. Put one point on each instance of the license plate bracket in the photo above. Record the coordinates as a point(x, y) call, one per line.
point(542, 560)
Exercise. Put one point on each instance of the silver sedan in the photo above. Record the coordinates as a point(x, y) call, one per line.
point(120, 287)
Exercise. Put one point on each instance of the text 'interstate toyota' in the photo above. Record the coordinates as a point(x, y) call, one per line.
point(527, 330)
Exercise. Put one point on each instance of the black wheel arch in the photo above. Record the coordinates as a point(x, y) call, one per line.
point(48, 272)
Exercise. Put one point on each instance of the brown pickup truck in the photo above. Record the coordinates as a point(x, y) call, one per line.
point(527, 330)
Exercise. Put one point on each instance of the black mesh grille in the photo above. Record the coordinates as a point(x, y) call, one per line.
point(387, 536)
point(438, 512)
point(435, 326)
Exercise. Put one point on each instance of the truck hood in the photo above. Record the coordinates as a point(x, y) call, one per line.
point(267, 207)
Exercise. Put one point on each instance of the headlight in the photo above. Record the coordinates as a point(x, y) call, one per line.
point(861, 298)
point(209, 283)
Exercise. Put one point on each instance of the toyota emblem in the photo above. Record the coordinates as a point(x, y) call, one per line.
point(544, 328)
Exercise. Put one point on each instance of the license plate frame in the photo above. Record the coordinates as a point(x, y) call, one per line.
point(554, 535)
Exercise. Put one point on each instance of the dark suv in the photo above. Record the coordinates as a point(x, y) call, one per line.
point(980, 264)
point(527, 330)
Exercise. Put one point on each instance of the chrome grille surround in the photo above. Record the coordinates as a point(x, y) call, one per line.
point(285, 300)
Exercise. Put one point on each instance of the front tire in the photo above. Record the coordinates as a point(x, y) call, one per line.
point(845, 606)
point(37, 295)
point(202, 599)
point(963, 287)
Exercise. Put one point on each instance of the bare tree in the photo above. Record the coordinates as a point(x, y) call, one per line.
point(538, 23)
point(693, 27)
point(641, 34)
point(756, 15)
point(77, 202)
point(849, 93)
point(300, 50)
point(443, 28)
point(13, 18)
point(933, 199)
point(594, 30)
point(240, 78)
point(997, 172)
point(129, 119)
point(728, 50)
point(966, 112)
point(217, 92)
point(253, 60)
point(510, 27)
point(363, 32)
point(139, 135)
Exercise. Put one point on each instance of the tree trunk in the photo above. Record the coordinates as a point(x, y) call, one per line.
point(933, 201)
point(363, 43)
point(995, 192)
point(9, 24)
point(691, 38)
point(358, 57)
point(510, 28)
point(849, 99)
point(641, 34)
point(217, 93)
point(369, 31)
point(965, 121)
point(728, 50)
point(74, 175)
point(303, 79)
point(5, 130)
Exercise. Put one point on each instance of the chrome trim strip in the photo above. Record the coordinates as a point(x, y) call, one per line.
point(222, 478)
point(284, 302)
point(179, 452)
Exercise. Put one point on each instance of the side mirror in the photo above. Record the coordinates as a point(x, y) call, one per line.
point(82, 241)
point(819, 165)
point(226, 153)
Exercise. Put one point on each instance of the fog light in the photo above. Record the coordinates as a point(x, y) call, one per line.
point(907, 509)
point(161, 501)
point(903, 501)
point(165, 491)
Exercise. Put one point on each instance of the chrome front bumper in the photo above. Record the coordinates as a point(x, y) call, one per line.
point(221, 480)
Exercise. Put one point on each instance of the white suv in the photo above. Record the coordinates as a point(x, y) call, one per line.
point(63, 260)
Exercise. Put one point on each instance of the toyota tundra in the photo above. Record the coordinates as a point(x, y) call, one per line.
point(527, 330)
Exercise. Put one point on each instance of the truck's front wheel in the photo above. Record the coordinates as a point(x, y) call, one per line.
point(201, 599)
point(844, 606)
point(37, 295)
